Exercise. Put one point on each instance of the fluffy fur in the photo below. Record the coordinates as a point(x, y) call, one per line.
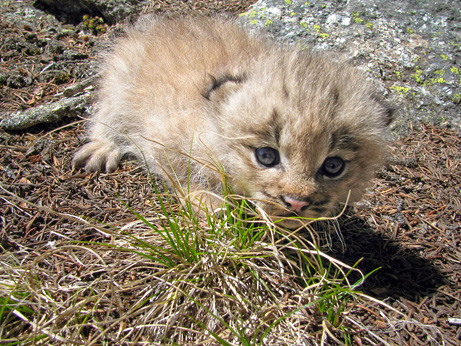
point(190, 95)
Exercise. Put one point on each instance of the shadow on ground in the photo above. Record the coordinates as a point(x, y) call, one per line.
point(403, 271)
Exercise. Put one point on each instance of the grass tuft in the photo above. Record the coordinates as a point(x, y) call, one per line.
point(172, 278)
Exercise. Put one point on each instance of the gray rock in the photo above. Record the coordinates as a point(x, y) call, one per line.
point(411, 47)
point(112, 11)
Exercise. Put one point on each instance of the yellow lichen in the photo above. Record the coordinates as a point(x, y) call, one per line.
point(417, 75)
point(400, 89)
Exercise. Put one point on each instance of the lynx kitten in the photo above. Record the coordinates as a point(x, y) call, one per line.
point(294, 131)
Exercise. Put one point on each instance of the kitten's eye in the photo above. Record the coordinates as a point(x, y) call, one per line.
point(333, 167)
point(268, 157)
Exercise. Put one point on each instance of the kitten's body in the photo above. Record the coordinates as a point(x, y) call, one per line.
point(207, 89)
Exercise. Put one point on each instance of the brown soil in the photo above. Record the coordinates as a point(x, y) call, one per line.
point(409, 226)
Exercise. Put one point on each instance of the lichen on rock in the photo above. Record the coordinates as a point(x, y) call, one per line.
point(412, 49)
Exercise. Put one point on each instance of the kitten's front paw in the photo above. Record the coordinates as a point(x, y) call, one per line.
point(98, 156)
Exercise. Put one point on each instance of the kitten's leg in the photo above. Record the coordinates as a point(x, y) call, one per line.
point(102, 153)
point(98, 155)
point(204, 203)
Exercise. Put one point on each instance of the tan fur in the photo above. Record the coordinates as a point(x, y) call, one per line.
point(207, 89)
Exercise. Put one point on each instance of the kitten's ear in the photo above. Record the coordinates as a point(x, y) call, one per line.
point(388, 113)
point(387, 110)
point(220, 88)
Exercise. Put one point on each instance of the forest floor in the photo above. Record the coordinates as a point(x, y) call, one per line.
point(408, 224)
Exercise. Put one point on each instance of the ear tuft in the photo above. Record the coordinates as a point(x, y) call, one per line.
point(388, 114)
point(221, 87)
point(387, 109)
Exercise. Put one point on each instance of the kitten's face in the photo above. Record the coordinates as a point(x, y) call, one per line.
point(299, 149)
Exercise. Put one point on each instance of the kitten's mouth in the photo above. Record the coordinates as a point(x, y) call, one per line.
point(289, 215)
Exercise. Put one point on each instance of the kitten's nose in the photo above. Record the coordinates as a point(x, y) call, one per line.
point(295, 204)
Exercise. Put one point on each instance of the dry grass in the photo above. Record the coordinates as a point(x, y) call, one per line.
point(81, 265)
point(172, 278)
point(78, 266)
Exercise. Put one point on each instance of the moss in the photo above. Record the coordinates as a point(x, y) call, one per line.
point(95, 24)
point(410, 31)
point(444, 57)
point(356, 17)
point(456, 99)
point(292, 14)
point(252, 14)
point(304, 25)
point(455, 70)
point(288, 2)
point(321, 34)
point(400, 89)
point(254, 21)
point(433, 81)
point(268, 22)
point(430, 82)
point(358, 20)
point(419, 73)
point(417, 76)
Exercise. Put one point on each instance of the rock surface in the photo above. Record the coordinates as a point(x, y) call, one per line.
point(411, 47)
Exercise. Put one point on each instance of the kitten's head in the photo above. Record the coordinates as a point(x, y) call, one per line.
point(302, 133)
